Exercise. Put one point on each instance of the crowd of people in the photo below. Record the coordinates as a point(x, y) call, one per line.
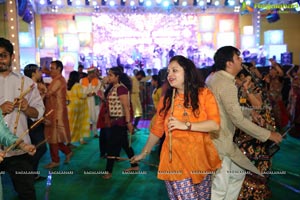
point(214, 134)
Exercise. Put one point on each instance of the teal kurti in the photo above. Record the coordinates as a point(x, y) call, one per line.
point(6, 139)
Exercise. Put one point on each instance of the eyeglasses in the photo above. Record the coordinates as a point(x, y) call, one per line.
point(4, 55)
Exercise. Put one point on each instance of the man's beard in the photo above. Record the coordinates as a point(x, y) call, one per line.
point(4, 67)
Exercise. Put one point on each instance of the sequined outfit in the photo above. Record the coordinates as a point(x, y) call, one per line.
point(255, 186)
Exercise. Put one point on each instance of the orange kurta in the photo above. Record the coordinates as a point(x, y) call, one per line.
point(58, 131)
point(193, 153)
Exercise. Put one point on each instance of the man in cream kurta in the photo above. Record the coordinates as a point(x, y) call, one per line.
point(229, 179)
point(91, 86)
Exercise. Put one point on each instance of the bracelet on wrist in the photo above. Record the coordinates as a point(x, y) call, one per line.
point(249, 91)
point(145, 152)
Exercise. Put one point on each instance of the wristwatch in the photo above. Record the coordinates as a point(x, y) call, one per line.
point(188, 125)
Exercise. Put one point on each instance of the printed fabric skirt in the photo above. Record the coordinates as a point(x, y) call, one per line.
point(186, 190)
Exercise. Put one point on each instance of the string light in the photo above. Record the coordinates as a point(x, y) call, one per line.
point(13, 30)
point(258, 28)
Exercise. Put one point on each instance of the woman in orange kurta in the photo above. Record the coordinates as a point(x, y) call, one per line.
point(187, 169)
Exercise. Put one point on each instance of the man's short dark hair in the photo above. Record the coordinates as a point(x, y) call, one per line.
point(80, 66)
point(223, 55)
point(58, 64)
point(30, 69)
point(7, 45)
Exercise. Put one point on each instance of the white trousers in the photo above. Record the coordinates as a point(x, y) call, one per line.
point(228, 181)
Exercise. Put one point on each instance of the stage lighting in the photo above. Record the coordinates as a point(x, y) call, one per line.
point(208, 2)
point(58, 2)
point(49, 2)
point(195, 2)
point(201, 3)
point(87, 2)
point(94, 3)
point(148, 3)
point(112, 3)
point(78, 3)
point(69, 2)
point(273, 16)
point(27, 17)
point(176, 2)
point(184, 3)
point(141, 2)
point(217, 3)
point(42, 2)
point(103, 2)
point(166, 4)
point(158, 1)
point(229, 2)
point(132, 3)
point(122, 2)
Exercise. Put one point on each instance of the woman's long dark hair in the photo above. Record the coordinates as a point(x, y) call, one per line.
point(157, 79)
point(123, 78)
point(73, 78)
point(193, 81)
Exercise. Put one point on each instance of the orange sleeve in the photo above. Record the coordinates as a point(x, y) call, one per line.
point(210, 105)
point(158, 125)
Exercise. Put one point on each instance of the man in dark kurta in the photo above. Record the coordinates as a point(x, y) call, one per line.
point(57, 129)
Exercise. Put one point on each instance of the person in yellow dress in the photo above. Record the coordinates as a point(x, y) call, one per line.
point(78, 111)
point(156, 83)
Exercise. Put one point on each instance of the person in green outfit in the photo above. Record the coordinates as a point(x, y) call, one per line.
point(7, 139)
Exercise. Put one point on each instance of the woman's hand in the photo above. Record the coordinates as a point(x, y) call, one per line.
point(137, 158)
point(258, 119)
point(176, 124)
point(2, 155)
point(247, 83)
point(7, 107)
point(130, 127)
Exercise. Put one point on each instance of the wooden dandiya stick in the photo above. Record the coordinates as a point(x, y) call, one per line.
point(24, 93)
point(26, 132)
point(130, 138)
point(41, 143)
point(284, 133)
point(150, 164)
point(17, 119)
point(170, 132)
point(124, 159)
point(117, 158)
point(19, 107)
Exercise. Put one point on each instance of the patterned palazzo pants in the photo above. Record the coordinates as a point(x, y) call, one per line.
point(186, 190)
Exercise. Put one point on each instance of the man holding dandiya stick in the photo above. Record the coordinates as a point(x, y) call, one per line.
point(19, 100)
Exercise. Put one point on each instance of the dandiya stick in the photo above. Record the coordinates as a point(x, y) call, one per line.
point(19, 107)
point(42, 142)
point(23, 94)
point(130, 138)
point(26, 132)
point(124, 159)
point(169, 132)
point(17, 119)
